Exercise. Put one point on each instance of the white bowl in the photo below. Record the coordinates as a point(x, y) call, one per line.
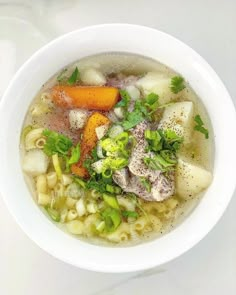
point(120, 38)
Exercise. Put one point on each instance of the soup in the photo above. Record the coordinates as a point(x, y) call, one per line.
point(117, 148)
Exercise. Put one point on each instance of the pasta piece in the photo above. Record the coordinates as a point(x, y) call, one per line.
point(155, 222)
point(59, 190)
point(51, 179)
point(31, 138)
point(66, 179)
point(140, 223)
point(122, 234)
point(41, 184)
point(44, 199)
point(80, 207)
point(70, 202)
point(90, 224)
point(92, 207)
point(75, 227)
point(39, 143)
point(64, 213)
point(72, 214)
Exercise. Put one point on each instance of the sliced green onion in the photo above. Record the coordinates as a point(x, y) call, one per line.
point(127, 214)
point(122, 138)
point(56, 165)
point(107, 174)
point(115, 131)
point(113, 189)
point(54, 214)
point(112, 219)
point(80, 182)
point(168, 156)
point(101, 226)
point(111, 201)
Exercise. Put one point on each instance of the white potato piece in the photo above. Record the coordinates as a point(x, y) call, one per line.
point(101, 131)
point(77, 118)
point(35, 162)
point(133, 92)
point(191, 179)
point(92, 76)
point(157, 83)
point(178, 117)
point(179, 112)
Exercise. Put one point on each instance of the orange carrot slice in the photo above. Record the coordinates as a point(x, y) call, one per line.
point(89, 141)
point(92, 98)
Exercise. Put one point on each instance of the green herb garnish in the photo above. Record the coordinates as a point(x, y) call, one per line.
point(54, 214)
point(177, 84)
point(56, 143)
point(112, 219)
point(75, 155)
point(127, 214)
point(132, 119)
point(200, 126)
point(74, 77)
point(125, 99)
point(152, 102)
point(146, 183)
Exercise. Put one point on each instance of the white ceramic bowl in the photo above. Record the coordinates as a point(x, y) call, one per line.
point(122, 38)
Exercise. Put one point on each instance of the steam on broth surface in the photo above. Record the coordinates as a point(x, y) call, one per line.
point(117, 148)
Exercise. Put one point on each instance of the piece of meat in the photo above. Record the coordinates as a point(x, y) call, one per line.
point(121, 81)
point(136, 164)
point(121, 178)
point(162, 187)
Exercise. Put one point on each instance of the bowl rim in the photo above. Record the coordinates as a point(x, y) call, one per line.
point(116, 267)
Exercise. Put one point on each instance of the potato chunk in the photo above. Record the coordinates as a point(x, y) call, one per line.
point(191, 179)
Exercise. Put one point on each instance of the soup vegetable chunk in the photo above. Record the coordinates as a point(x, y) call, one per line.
point(117, 148)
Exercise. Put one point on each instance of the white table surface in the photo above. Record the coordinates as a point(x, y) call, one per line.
point(206, 25)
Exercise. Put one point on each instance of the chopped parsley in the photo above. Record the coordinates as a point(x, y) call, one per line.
point(56, 143)
point(125, 99)
point(75, 155)
point(74, 77)
point(126, 214)
point(177, 84)
point(164, 145)
point(200, 126)
point(143, 108)
point(146, 183)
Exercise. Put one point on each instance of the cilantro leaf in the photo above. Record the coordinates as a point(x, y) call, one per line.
point(125, 99)
point(146, 183)
point(199, 126)
point(74, 77)
point(56, 143)
point(132, 119)
point(152, 101)
point(75, 155)
point(177, 84)
point(126, 213)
